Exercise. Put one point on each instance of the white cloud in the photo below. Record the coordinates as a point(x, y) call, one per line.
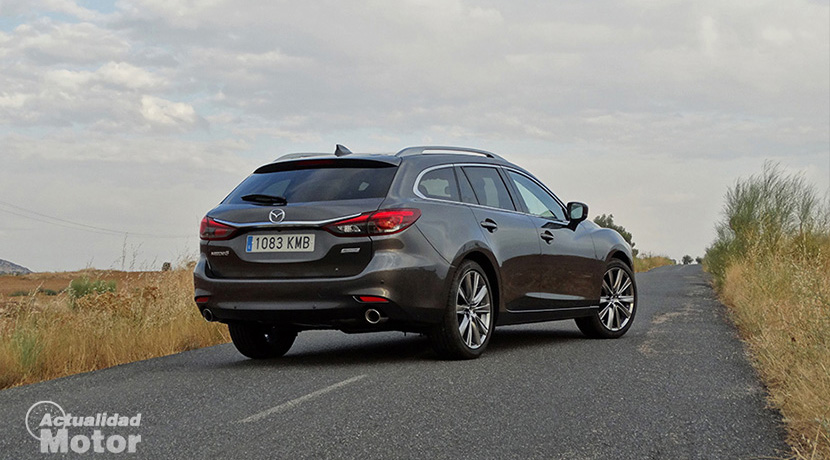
point(47, 42)
point(128, 76)
point(164, 112)
point(69, 7)
point(12, 101)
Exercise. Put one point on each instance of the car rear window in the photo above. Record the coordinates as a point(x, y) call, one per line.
point(326, 182)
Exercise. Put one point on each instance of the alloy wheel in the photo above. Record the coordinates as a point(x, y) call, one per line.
point(617, 300)
point(473, 309)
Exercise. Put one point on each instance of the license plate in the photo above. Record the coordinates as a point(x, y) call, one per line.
point(280, 243)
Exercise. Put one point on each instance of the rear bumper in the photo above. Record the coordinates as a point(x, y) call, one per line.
point(415, 286)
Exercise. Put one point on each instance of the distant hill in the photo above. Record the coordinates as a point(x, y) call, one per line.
point(8, 268)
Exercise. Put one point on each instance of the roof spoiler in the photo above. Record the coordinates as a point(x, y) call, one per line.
point(339, 150)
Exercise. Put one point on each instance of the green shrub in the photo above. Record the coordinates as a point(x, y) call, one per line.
point(19, 294)
point(769, 213)
point(84, 286)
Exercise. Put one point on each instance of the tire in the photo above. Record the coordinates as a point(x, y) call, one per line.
point(618, 304)
point(469, 319)
point(259, 341)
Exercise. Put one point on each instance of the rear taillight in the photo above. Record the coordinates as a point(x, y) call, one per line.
point(383, 222)
point(212, 230)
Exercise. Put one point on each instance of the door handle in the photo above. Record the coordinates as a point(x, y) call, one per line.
point(490, 225)
point(547, 236)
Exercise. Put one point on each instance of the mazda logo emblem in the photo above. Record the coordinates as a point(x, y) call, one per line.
point(276, 216)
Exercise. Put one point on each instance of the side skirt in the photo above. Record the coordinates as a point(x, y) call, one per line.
point(538, 316)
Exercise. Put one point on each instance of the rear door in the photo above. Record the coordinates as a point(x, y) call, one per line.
point(569, 272)
point(287, 239)
point(511, 234)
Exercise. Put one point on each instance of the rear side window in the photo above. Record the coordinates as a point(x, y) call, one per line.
point(317, 184)
point(439, 183)
point(467, 194)
point(488, 186)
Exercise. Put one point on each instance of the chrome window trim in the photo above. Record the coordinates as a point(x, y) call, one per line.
point(296, 223)
point(487, 165)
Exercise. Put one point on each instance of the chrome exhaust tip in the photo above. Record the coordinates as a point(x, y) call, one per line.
point(207, 314)
point(372, 316)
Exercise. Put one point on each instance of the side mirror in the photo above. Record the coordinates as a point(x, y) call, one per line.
point(577, 212)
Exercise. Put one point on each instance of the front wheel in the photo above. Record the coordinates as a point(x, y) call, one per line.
point(468, 321)
point(259, 341)
point(618, 304)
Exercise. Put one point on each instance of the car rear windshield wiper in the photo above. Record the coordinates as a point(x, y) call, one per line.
point(265, 199)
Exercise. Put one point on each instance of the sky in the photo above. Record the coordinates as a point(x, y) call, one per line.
point(122, 123)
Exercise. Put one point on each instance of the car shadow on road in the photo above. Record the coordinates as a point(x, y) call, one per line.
point(510, 339)
point(357, 351)
point(389, 350)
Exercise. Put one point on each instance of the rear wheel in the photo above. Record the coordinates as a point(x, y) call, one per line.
point(618, 304)
point(259, 341)
point(468, 321)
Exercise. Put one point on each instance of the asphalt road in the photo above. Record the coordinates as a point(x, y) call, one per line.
point(677, 386)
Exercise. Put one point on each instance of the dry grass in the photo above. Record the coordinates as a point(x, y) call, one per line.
point(153, 314)
point(781, 304)
point(648, 262)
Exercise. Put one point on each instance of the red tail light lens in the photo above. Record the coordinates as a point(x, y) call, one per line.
point(212, 230)
point(371, 299)
point(383, 222)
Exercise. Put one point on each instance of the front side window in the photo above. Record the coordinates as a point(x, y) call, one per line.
point(488, 186)
point(440, 184)
point(536, 199)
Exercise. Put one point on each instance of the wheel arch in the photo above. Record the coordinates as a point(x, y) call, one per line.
point(487, 262)
point(609, 243)
point(621, 256)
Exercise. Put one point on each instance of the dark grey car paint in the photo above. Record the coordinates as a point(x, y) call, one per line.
point(533, 280)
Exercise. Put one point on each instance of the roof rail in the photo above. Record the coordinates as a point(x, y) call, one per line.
point(437, 149)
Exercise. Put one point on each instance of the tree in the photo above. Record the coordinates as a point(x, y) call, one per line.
point(699, 260)
point(608, 222)
point(687, 259)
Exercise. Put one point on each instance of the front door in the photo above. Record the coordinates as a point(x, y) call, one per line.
point(568, 268)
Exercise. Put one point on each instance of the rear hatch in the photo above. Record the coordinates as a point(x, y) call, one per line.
point(284, 220)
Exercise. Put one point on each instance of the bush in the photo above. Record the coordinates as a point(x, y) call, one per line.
point(769, 213)
point(84, 286)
